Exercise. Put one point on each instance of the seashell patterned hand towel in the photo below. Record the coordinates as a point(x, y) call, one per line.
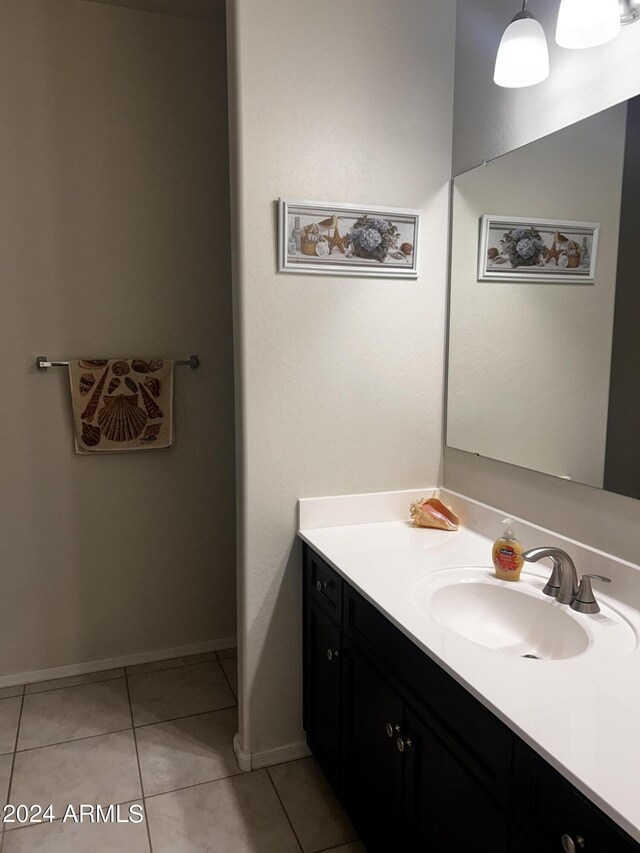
point(110, 415)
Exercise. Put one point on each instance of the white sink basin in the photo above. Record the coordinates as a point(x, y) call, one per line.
point(517, 619)
point(508, 621)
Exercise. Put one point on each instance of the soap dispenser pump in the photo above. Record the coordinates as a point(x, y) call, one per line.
point(507, 554)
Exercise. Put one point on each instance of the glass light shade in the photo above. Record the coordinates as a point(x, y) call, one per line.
point(523, 55)
point(587, 23)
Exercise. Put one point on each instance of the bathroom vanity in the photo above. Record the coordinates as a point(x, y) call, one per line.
point(452, 711)
point(434, 742)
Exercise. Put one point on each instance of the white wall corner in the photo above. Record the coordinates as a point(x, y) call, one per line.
point(248, 761)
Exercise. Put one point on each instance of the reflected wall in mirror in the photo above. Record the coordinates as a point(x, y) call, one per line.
point(542, 373)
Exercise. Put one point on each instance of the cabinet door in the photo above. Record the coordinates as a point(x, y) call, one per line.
point(556, 816)
point(323, 687)
point(373, 761)
point(447, 811)
point(521, 844)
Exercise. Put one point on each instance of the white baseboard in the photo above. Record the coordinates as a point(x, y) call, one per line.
point(244, 758)
point(19, 678)
point(248, 761)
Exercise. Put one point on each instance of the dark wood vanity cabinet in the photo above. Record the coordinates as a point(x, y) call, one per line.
point(419, 764)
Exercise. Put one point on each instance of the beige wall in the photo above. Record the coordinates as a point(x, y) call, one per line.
point(488, 122)
point(113, 240)
point(529, 362)
point(341, 378)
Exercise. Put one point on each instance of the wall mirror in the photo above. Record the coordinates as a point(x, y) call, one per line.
point(544, 326)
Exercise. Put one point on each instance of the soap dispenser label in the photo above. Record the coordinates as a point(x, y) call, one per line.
point(508, 559)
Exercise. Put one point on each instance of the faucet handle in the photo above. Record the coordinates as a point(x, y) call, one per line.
point(585, 601)
point(552, 586)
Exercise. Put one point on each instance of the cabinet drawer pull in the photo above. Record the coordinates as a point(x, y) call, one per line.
point(403, 744)
point(392, 730)
point(331, 655)
point(320, 585)
point(571, 846)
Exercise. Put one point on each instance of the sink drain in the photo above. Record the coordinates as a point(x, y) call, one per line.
point(531, 657)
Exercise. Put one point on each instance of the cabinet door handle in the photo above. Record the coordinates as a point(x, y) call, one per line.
point(320, 586)
point(569, 845)
point(391, 730)
point(331, 655)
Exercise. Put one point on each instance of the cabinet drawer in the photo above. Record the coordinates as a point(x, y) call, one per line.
point(548, 807)
point(483, 742)
point(323, 585)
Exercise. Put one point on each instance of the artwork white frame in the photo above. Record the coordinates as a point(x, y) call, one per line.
point(336, 264)
point(550, 274)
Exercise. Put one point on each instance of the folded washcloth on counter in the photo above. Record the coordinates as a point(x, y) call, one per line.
point(122, 404)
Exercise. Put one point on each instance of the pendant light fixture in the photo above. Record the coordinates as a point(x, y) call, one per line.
point(523, 55)
point(587, 23)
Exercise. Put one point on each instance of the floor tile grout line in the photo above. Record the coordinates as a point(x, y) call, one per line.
point(126, 729)
point(228, 657)
point(13, 764)
point(186, 716)
point(193, 785)
point(228, 680)
point(284, 809)
point(19, 687)
point(135, 742)
point(153, 667)
point(198, 785)
point(72, 740)
point(68, 686)
point(169, 668)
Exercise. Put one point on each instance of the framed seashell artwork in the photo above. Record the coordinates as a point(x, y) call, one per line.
point(544, 250)
point(326, 238)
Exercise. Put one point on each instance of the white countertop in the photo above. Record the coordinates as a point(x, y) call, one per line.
point(581, 714)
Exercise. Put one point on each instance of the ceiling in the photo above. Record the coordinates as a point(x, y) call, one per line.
point(199, 10)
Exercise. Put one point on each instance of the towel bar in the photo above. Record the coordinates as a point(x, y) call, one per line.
point(43, 363)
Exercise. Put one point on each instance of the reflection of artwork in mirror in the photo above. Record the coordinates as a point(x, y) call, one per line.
point(545, 250)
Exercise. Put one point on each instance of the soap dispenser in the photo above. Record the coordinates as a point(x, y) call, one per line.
point(507, 554)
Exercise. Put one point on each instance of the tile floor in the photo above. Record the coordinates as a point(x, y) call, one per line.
point(157, 736)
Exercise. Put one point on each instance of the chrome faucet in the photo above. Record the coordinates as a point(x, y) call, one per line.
point(563, 583)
